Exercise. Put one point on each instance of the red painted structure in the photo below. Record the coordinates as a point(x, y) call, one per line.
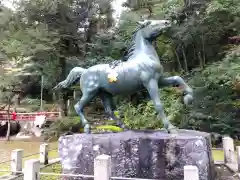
point(50, 116)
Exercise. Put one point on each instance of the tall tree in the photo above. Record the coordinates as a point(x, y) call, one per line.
point(44, 36)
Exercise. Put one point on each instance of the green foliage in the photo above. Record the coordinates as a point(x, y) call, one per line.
point(139, 117)
point(106, 48)
point(50, 37)
point(53, 168)
point(8, 83)
point(29, 101)
point(105, 128)
point(61, 126)
point(144, 115)
point(196, 42)
point(41, 37)
point(224, 73)
point(198, 33)
point(214, 108)
point(73, 124)
point(216, 103)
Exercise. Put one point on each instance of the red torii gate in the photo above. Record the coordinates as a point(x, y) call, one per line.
point(50, 116)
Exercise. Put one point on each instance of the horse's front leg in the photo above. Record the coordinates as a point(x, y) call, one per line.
point(152, 88)
point(177, 81)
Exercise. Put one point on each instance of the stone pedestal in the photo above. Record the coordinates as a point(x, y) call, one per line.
point(140, 154)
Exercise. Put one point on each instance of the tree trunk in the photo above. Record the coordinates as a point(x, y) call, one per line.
point(203, 51)
point(200, 60)
point(63, 102)
point(16, 102)
point(178, 60)
point(9, 123)
point(185, 60)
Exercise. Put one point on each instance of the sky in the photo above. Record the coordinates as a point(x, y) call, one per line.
point(8, 3)
point(117, 6)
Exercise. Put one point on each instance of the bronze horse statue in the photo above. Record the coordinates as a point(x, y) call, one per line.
point(141, 70)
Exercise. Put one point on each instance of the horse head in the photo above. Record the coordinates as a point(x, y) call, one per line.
point(153, 28)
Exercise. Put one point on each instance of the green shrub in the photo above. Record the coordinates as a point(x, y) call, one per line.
point(214, 107)
point(61, 126)
point(110, 128)
point(143, 116)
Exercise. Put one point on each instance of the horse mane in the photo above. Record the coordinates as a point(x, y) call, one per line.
point(131, 47)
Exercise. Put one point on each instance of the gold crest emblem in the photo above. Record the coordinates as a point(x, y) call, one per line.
point(112, 76)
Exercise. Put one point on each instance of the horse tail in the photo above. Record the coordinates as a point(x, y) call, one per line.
point(72, 77)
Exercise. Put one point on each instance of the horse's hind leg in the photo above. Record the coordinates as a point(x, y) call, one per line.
point(85, 99)
point(152, 88)
point(109, 107)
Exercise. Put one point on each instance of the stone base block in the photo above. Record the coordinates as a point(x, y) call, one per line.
point(139, 153)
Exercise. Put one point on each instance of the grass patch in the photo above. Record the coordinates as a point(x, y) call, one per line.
point(218, 155)
point(110, 128)
point(6, 166)
point(54, 168)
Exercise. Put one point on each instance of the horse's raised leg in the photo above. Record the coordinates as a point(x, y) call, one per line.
point(85, 99)
point(109, 107)
point(152, 88)
point(177, 81)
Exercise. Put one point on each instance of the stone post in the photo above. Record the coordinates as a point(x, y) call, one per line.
point(228, 148)
point(16, 161)
point(191, 173)
point(54, 96)
point(43, 157)
point(60, 113)
point(74, 94)
point(69, 107)
point(102, 167)
point(238, 157)
point(31, 169)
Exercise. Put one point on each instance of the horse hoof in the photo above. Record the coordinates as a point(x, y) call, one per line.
point(122, 126)
point(172, 129)
point(125, 128)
